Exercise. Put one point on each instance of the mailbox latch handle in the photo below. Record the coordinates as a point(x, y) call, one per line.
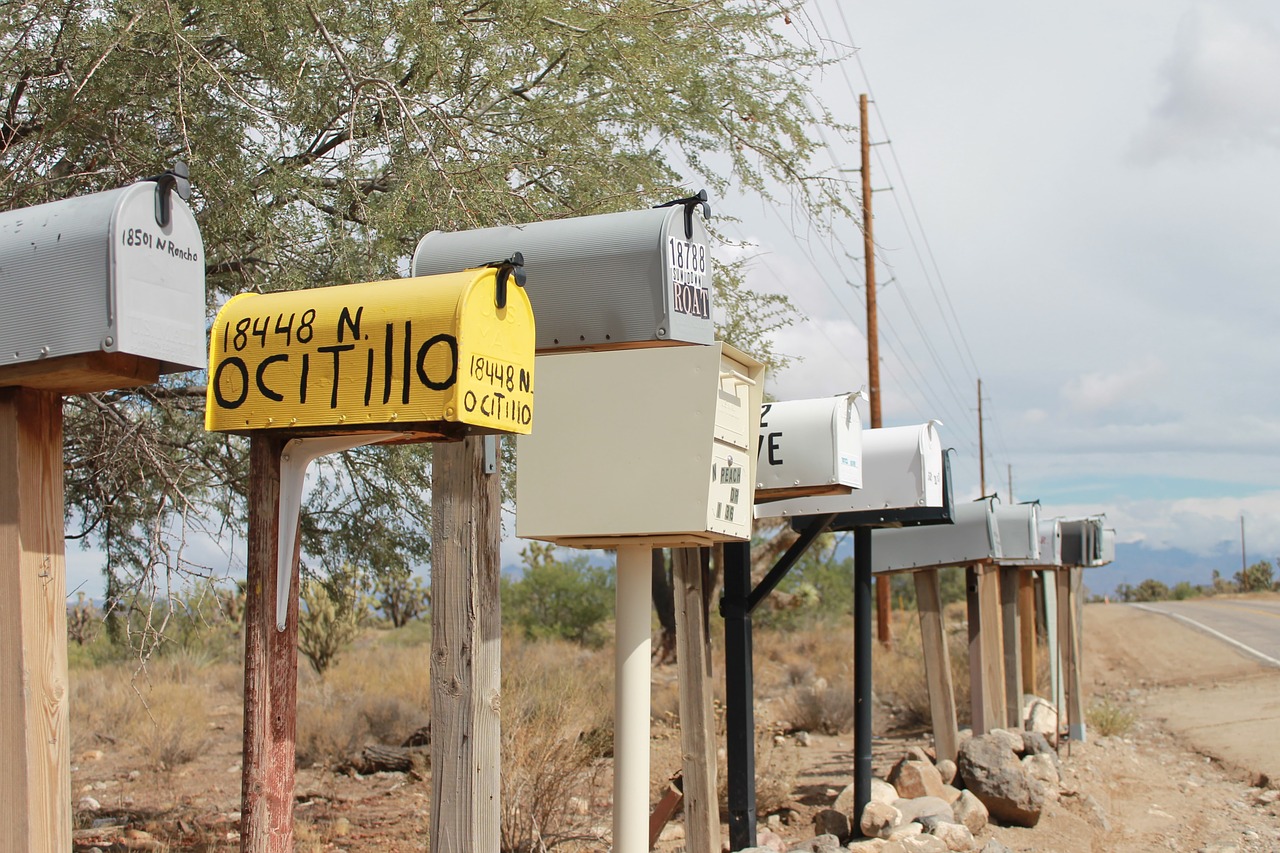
point(178, 178)
point(738, 378)
point(693, 201)
point(511, 267)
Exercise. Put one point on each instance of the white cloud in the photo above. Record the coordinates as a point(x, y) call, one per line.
point(1221, 86)
point(1198, 525)
point(1102, 390)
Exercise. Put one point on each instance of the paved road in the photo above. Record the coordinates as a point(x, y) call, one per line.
point(1251, 625)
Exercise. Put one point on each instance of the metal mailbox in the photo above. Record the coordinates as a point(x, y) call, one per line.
point(1106, 547)
point(92, 284)
point(901, 468)
point(1019, 534)
point(1080, 540)
point(808, 447)
point(1050, 534)
point(653, 445)
point(437, 355)
point(972, 537)
point(638, 278)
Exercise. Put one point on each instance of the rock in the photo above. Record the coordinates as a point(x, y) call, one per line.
point(914, 778)
point(950, 793)
point(672, 832)
point(821, 844)
point(1088, 808)
point(881, 792)
point(1010, 738)
point(770, 842)
point(879, 820)
point(970, 812)
point(869, 845)
point(947, 770)
point(1039, 716)
point(88, 804)
point(955, 835)
point(803, 739)
point(135, 775)
point(917, 753)
point(924, 807)
point(991, 770)
point(923, 844)
point(93, 755)
point(907, 830)
point(1040, 768)
point(994, 846)
point(1035, 743)
point(832, 822)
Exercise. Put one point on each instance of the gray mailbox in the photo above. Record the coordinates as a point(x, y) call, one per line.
point(972, 537)
point(1019, 534)
point(609, 281)
point(1082, 541)
point(1106, 547)
point(119, 273)
point(1050, 530)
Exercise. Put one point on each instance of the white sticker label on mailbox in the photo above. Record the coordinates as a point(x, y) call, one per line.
point(688, 261)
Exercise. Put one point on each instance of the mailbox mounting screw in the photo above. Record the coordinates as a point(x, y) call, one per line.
point(109, 341)
point(44, 351)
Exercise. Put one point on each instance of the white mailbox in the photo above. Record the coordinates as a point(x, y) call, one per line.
point(808, 447)
point(651, 445)
point(972, 537)
point(118, 272)
point(599, 282)
point(901, 468)
point(1106, 547)
point(1082, 541)
point(1050, 530)
point(1019, 534)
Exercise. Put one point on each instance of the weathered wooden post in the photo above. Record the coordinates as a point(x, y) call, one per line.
point(1019, 550)
point(691, 568)
point(100, 292)
point(312, 372)
point(636, 404)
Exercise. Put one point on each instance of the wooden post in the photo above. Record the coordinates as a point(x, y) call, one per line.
point(466, 649)
point(986, 663)
point(1051, 619)
point(697, 719)
point(35, 768)
point(1012, 640)
point(937, 664)
point(270, 666)
point(1069, 631)
point(1027, 626)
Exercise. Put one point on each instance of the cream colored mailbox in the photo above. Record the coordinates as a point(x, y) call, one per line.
point(651, 445)
point(1019, 534)
point(972, 537)
point(617, 279)
point(901, 468)
point(808, 447)
point(102, 291)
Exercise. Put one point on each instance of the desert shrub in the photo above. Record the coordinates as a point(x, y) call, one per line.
point(400, 596)
point(822, 707)
point(333, 611)
point(775, 779)
point(1256, 578)
point(1109, 719)
point(564, 599)
point(557, 720)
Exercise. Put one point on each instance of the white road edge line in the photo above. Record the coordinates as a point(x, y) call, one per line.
point(1221, 636)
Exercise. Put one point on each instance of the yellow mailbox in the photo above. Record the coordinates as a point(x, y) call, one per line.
point(435, 355)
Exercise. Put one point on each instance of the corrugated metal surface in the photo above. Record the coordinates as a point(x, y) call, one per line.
point(1019, 534)
point(594, 281)
point(974, 536)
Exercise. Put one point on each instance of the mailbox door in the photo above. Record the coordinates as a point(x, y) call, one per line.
point(158, 281)
point(808, 447)
point(1019, 534)
point(973, 536)
point(733, 468)
point(1050, 542)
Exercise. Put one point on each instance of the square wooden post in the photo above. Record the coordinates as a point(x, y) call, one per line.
point(986, 656)
point(270, 666)
point(35, 757)
point(937, 664)
point(697, 719)
point(1012, 640)
point(1027, 628)
point(466, 649)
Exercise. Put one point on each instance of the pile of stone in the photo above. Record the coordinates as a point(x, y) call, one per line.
point(925, 806)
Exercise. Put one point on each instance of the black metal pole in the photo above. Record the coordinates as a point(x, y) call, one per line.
point(862, 639)
point(740, 721)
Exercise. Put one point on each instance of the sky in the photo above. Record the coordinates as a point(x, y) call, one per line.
point(1077, 205)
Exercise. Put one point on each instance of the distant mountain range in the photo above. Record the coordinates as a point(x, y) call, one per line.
point(1136, 562)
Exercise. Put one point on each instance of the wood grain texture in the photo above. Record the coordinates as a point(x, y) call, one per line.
point(1027, 630)
point(937, 664)
point(80, 374)
point(1070, 605)
point(466, 650)
point(697, 718)
point(270, 667)
point(992, 646)
point(35, 768)
point(1012, 642)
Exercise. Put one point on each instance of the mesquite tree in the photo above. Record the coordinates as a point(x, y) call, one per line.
point(324, 137)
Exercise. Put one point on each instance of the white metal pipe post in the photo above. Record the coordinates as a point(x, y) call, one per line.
point(631, 709)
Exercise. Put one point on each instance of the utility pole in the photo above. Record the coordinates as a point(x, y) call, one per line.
point(1010, 467)
point(982, 451)
point(883, 631)
point(1244, 567)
